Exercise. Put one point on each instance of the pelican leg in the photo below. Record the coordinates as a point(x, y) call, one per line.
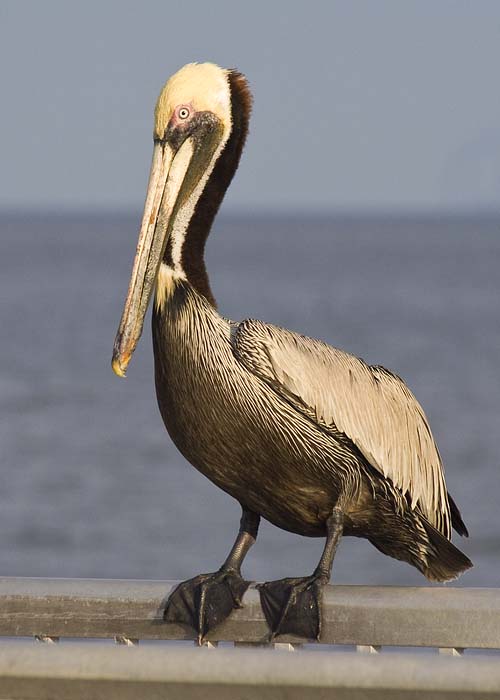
point(206, 600)
point(293, 605)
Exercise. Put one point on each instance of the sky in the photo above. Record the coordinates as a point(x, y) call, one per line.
point(358, 105)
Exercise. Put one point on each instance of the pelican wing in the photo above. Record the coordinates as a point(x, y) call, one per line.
point(369, 404)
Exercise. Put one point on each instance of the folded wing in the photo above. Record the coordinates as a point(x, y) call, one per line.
point(369, 404)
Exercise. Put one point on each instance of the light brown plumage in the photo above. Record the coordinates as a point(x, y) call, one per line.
point(370, 405)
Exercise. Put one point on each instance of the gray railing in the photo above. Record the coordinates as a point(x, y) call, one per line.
point(367, 618)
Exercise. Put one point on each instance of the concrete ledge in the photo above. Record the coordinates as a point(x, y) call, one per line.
point(359, 615)
point(119, 673)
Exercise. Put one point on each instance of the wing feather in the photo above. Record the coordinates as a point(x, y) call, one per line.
point(371, 405)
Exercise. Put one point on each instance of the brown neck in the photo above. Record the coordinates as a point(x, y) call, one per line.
point(193, 247)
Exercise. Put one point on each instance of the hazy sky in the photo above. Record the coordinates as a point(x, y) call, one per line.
point(358, 104)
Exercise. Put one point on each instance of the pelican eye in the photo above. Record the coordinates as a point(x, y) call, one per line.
point(183, 113)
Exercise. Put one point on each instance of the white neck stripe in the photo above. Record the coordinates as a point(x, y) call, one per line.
point(185, 213)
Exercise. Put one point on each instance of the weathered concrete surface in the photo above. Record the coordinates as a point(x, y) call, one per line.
point(103, 672)
point(358, 615)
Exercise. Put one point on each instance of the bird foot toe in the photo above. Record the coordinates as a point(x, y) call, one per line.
point(205, 601)
point(293, 606)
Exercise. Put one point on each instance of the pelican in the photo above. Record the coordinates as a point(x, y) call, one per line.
point(307, 436)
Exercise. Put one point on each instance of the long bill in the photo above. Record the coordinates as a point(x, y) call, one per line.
point(168, 171)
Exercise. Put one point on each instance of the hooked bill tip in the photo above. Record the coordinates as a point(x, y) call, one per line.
point(118, 369)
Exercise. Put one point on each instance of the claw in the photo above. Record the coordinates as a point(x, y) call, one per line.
point(293, 606)
point(205, 601)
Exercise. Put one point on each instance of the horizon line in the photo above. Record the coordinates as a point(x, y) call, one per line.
point(267, 212)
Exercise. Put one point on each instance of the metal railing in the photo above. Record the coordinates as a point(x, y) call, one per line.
point(368, 618)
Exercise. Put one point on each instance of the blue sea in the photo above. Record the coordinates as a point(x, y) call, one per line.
point(91, 484)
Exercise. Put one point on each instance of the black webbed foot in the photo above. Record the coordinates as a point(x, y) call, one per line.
point(206, 600)
point(293, 606)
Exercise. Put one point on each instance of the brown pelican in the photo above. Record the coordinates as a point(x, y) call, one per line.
point(300, 433)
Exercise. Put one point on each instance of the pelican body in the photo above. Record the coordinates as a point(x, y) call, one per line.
point(308, 437)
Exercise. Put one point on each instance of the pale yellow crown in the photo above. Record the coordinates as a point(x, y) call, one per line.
point(203, 85)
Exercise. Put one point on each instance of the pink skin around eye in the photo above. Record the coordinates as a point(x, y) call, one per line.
point(176, 119)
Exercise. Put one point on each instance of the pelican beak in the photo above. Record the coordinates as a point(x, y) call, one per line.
point(168, 171)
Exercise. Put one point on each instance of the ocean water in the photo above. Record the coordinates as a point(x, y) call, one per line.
point(91, 484)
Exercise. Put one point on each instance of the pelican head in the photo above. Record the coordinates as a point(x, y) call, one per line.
point(193, 121)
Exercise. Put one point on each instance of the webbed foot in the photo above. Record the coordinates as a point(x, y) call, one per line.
point(206, 600)
point(293, 606)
